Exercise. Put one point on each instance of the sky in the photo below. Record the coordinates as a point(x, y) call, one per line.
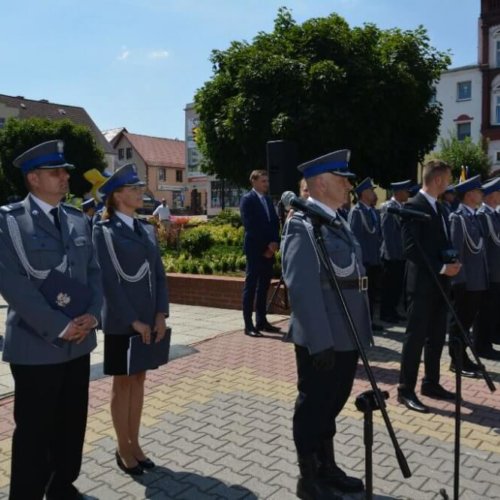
point(137, 63)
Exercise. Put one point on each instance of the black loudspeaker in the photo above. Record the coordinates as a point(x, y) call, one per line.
point(282, 163)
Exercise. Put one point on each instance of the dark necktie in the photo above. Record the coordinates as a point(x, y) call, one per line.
point(440, 211)
point(373, 216)
point(55, 214)
point(137, 229)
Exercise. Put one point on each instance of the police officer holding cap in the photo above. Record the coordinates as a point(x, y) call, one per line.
point(48, 352)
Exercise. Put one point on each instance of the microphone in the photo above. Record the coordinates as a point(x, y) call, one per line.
point(406, 213)
point(289, 200)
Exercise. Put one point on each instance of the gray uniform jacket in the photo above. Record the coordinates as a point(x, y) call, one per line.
point(491, 232)
point(392, 240)
point(474, 271)
point(126, 302)
point(365, 225)
point(32, 325)
point(318, 320)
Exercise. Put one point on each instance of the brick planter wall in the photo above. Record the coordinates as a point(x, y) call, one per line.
point(215, 291)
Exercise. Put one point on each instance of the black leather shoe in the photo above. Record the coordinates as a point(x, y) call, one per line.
point(436, 391)
point(411, 402)
point(252, 332)
point(337, 478)
point(489, 354)
point(146, 463)
point(267, 327)
point(137, 470)
point(467, 371)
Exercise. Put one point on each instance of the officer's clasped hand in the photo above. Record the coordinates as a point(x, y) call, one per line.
point(324, 360)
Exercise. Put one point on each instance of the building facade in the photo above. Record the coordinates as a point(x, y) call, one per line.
point(22, 108)
point(207, 193)
point(470, 95)
point(160, 162)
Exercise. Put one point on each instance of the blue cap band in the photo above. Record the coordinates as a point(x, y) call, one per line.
point(119, 181)
point(53, 158)
point(325, 167)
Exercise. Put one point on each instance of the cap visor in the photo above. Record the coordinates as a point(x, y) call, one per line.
point(69, 166)
point(140, 184)
point(348, 174)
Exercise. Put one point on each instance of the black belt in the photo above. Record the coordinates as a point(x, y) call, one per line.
point(360, 284)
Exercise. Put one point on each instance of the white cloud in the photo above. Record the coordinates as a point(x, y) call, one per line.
point(158, 54)
point(124, 54)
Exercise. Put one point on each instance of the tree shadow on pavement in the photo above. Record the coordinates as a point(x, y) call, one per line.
point(163, 483)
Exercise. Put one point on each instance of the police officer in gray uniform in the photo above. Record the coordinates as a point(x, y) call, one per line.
point(48, 352)
point(486, 329)
point(391, 251)
point(325, 354)
point(470, 284)
point(135, 302)
point(365, 224)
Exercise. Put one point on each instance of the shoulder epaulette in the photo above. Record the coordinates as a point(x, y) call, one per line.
point(68, 205)
point(11, 207)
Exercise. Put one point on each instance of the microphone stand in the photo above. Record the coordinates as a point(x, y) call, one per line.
point(457, 346)
point(369, 400)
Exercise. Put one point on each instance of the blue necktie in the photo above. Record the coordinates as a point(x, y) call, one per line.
point(266, 208)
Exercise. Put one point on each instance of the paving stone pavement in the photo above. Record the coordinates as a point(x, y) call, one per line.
point(218, 424)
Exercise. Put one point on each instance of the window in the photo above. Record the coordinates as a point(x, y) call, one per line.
point(497, 53)
point(463, 130)
point(464, 91)
point(162, 174)
point(178, 176)
point(497, 109)
point(129, 153)
point(120, 154)
point(497, 156)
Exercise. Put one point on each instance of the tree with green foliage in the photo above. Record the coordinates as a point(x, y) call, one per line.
point(80, 149)
point(467, 153)
point(325, 86)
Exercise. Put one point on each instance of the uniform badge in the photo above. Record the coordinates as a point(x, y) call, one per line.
point(63, 299)
point(34, 212)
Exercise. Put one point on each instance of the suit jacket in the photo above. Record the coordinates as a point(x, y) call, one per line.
point(126, 302)
point(369, 236)
point(318, 320)
point(492, 241)
point(433, 239)
point(392, 240)
point(259, 229)
point(474, 271)
point(32, 325)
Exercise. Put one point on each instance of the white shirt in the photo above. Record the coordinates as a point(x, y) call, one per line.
point(324, 207)
point(129, 221)
point(46, 207)
point(162, 211)
point(469, 209)
point(430, 199)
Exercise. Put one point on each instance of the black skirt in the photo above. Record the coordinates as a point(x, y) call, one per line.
point(115, 354)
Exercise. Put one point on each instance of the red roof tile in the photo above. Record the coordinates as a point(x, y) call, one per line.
point(157, 151)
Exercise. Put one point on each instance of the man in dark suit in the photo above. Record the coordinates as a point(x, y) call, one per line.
point(48, 348)
point(261, 241)
point(427, 311)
